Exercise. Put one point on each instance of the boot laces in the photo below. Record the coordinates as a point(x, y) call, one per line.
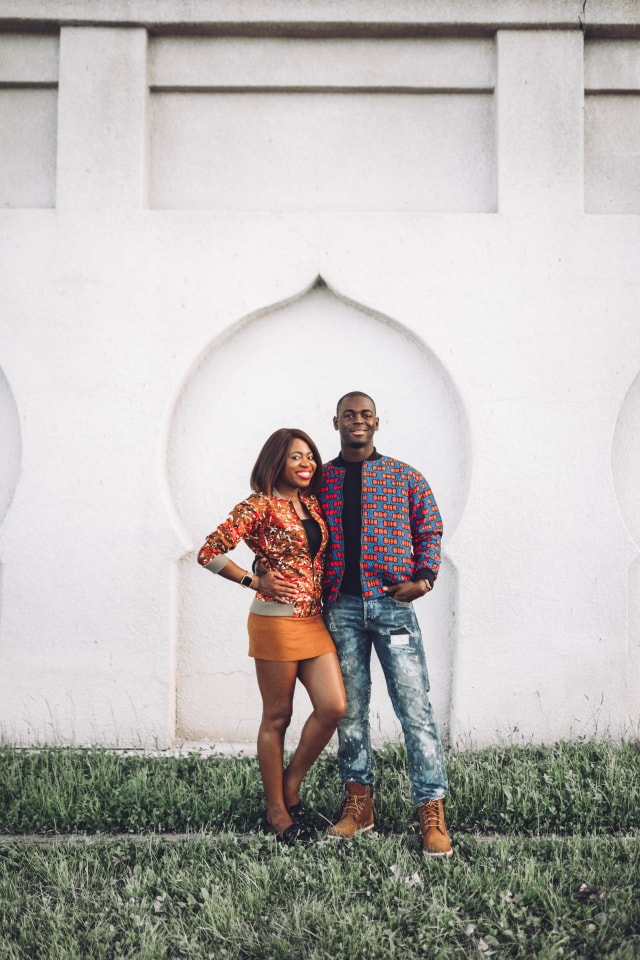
point(431, 816)
point(353, 806)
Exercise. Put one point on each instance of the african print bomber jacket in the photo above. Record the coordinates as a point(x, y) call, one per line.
point(272, 529)
point(401, 525)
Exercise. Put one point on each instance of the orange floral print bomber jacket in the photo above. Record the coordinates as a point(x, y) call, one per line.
point(272, 529)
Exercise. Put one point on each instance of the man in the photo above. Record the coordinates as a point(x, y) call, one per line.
point(385, 553)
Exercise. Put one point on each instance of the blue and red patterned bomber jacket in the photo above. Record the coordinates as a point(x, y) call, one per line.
point(401, 525)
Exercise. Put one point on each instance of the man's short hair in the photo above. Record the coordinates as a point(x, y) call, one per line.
point(355, 393)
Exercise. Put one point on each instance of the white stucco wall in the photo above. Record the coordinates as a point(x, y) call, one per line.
point(174, 180)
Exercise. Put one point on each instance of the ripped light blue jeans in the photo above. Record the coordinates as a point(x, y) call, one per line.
point(392, 629)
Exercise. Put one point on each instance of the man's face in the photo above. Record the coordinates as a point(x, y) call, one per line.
point(356, 423)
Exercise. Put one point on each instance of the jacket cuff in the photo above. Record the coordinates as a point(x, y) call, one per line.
point(217, 563)
point(425, 574)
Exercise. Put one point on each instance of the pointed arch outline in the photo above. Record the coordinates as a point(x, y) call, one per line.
point(287, 363)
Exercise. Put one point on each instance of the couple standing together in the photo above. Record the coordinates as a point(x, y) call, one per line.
point(342, 551)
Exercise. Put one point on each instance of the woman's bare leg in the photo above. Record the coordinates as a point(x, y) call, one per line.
point(276, 681)
point(323, 681)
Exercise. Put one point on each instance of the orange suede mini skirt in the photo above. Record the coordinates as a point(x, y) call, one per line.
point(288, 638)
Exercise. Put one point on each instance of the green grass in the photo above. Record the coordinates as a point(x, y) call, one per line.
point(224, 898)
point(570, 788)
point(562, 879)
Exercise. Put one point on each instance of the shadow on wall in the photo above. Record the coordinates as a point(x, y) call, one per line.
point(287, 366)
point(10, 459)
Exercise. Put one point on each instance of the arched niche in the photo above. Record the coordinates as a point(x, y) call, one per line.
point(625, 460)
point(287, 366)
point(625, 464)
point(11, 447)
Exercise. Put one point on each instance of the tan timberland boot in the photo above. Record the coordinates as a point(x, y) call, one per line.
point(435, 839)
point(357, 812)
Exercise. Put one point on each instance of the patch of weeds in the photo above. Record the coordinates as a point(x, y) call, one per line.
point(569, 788)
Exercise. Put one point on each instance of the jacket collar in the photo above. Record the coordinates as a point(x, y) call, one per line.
point(340, 462)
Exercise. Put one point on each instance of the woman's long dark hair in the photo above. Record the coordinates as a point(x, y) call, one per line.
point(273, 456)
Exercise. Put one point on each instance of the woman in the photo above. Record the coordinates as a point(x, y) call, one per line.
point(282, 524)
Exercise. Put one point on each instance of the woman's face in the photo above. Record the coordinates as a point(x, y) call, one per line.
point(298, 470)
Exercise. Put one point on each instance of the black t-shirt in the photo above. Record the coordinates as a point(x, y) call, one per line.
point(314, 535)
point(352, 528)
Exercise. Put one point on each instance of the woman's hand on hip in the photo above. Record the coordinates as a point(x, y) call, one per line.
point(273, 584)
